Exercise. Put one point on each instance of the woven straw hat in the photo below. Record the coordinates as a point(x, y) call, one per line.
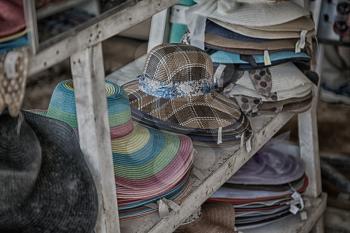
point(62, 107)
point(45, 184)
point(289, 29)
point(243, 194)
point(148, 164)
point(269, 167)
point(255, 61)
point(177, 86)
point(11, 17)
point(276, 89)
point(259, 13)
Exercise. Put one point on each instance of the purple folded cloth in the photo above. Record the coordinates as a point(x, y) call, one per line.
point(269, 167)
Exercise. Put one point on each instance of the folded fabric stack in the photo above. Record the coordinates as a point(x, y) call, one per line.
point(257, 38)
point(176, 93)
point(148, 164)
point(12, 25)
point(267, 188)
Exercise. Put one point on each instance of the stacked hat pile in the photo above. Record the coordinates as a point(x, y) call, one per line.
point(257, 37)
point(148, 164)
point(176, 92)
point(267, 188)
point(12, 25)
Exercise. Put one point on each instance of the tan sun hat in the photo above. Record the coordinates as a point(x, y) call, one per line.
point(287, 30)
point(240, 12)
point(259, 14)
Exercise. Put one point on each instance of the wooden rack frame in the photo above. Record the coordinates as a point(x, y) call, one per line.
point(84, 49)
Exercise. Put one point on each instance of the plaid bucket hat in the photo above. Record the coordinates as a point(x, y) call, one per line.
point(148, 164)
point(177, 86)
point(45, 183)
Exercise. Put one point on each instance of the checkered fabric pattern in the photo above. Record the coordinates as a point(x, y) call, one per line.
point(171, 63)
point(200, 112)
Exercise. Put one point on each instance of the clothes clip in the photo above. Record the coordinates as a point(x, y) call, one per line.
point(219, 135)
point(267, 60)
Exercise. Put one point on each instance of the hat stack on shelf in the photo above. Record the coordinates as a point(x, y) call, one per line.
point(257, 38)
point(176, 92)
point(12, 25)
point(148, 164)
point(267, 188)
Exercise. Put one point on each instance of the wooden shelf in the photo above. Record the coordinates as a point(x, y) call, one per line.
point(216, 165)
point(55, 8)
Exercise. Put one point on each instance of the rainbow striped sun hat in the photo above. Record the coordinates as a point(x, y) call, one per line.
point(62, 107)
point(148, 163)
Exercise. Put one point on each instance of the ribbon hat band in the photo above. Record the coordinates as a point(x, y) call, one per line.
point(175, 89)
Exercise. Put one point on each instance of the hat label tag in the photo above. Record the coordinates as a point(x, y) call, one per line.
point(297, 204)
point(178, 14)
point(246, 146)
point(165, 206)
point(249, 144)
point(267, 59)
point(301, 42)
point(218, 77)
point(10, 64)
point(219, 135)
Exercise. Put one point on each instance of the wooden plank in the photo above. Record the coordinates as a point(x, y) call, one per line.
point(94, 134)
point(31, 23)
point(293, 224)
point(159, 32)
point(57, 7)
point(97, 32)
point(309, 148)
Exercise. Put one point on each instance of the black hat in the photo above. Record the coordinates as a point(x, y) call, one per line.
point(45, 183)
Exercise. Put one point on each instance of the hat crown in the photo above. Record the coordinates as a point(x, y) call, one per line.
point(20, 160)
point(62, 104)
point(174, 70)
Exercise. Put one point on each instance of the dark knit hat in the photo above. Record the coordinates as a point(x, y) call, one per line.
point(45, 183)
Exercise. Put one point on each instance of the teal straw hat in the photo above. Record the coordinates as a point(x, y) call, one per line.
point(62, 107)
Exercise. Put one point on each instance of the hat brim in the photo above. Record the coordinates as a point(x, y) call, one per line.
point(209, 111)
point(64, 197)
point(282, 31)
point(261, 14)
point(285, 44)
point(151, 162)
point(209, 136)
